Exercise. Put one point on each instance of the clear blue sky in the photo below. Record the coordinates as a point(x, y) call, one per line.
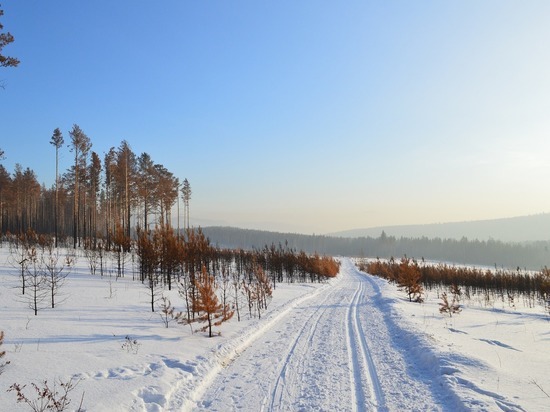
point(308, 116)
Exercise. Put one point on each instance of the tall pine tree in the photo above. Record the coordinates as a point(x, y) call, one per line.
point(57, 141)
point(80, 146)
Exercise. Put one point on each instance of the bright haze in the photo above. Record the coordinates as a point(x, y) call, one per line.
point(305, 116)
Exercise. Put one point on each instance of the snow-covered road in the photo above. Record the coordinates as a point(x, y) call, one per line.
point(334, 351)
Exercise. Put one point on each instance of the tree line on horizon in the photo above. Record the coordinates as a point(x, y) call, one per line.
point(95, 198)
point(531, 256)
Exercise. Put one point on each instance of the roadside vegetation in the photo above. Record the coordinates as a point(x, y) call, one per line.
point(485, 286)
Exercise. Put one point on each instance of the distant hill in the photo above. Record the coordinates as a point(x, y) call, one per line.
point(514, 229)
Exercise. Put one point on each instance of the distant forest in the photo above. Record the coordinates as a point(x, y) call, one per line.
point(512, 229)
point(530, 256)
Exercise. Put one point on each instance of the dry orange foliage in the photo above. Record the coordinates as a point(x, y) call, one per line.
point(206, 303)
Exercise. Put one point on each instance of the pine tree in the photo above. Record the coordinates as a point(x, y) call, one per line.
point(5, 39)
point(186, 195)
point(57, 141)
point(409, 279)
point(451, 307)
point(148, 263)
point(125, 178)
point(146, 187)
point(94, 174)
point(5, 183)
point(166, 311)
point(167, 192)
point(80, 146)
point(207, 305)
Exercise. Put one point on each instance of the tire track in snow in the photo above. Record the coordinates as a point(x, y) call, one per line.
point(362, 366)
point(232, 350)
point(269, 376)
point(278, 392)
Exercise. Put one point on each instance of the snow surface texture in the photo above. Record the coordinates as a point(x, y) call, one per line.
point(354, 343)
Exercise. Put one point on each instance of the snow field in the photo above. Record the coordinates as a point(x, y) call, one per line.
point(83, 337)
point(354, 343)
point(492, 358)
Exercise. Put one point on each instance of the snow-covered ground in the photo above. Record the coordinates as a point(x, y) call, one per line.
point(353, 343)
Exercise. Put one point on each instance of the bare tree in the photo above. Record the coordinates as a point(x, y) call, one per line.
point(56, 269)
point(48, 398)
point(225, 284)
point(19, 257)
point(166, 311)
point(237, 291)
point(36, 282)
point(93, 256)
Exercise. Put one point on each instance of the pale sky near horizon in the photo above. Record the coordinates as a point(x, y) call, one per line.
point(303, 116)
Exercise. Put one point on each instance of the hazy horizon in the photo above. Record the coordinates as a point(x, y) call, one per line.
point(305, 117)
